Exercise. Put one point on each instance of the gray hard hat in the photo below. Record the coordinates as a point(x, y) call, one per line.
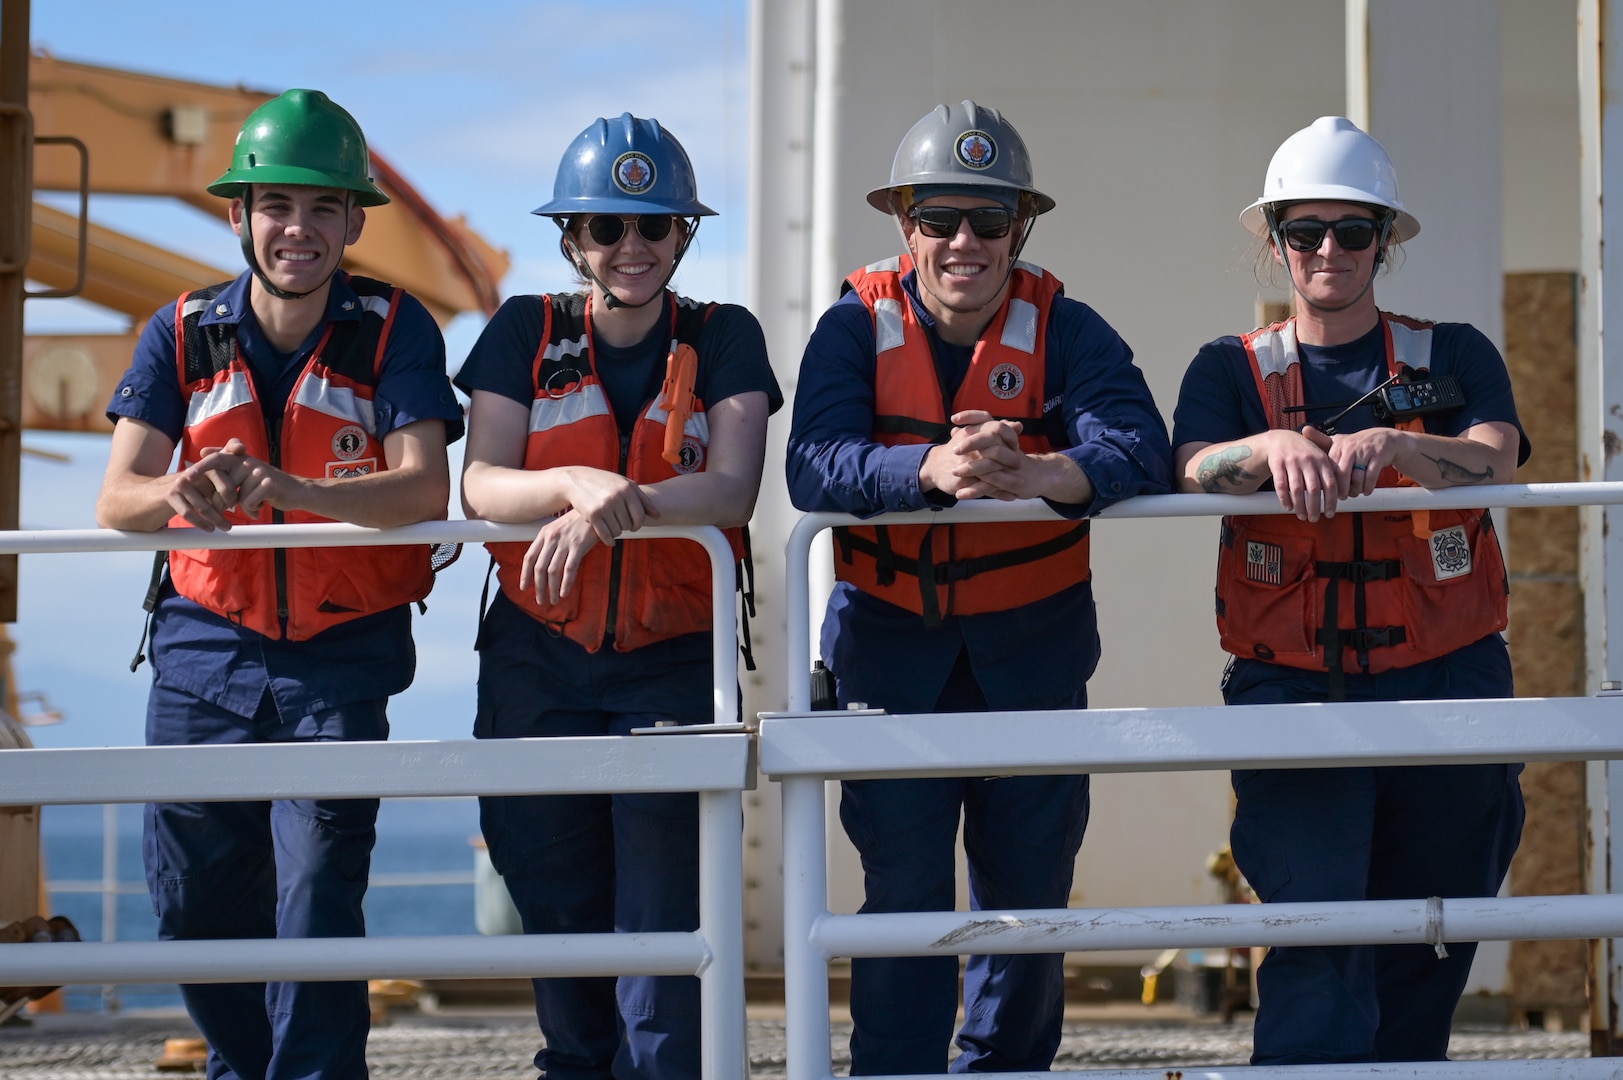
point(963, 146)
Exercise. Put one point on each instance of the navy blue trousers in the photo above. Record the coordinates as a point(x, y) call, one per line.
point(1371, 834)
point(596, 864)
point(1021, 837)
point(292, 868)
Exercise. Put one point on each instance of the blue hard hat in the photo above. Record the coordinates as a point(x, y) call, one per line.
point(625, 166)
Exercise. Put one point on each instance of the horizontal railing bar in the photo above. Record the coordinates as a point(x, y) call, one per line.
point(328, 534)
point(1220, 926)
point(1185, 738)
point(1537, 1069)
point(1513, 496)
point(326, 959)
point(473, 532)
point(402, 880)
point(351, 770)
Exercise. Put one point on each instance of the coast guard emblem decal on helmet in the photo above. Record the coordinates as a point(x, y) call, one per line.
point(1006, 381)
point(634, 172)
point(976, 149)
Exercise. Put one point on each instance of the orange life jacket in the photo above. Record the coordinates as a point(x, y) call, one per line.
point(327, 430)
point(1361, 592)
point(939, 570)
point(642, 591)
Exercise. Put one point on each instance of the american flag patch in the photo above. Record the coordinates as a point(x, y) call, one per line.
point(1263, 562)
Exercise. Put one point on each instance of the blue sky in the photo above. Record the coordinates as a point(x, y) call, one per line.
point(474, 104)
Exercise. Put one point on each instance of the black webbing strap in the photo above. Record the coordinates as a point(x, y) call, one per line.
point(909, 425)
point(150, 606)
point(1362, 637)
point(931, 573)
point(744, 583)
point(1330, 639)
point(934, 432)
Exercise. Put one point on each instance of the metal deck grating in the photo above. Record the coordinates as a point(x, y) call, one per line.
point(443, 1047)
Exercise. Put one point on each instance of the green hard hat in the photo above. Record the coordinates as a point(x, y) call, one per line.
point(303, 138)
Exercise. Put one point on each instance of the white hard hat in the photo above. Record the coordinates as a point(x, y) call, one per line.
point(1330, 161)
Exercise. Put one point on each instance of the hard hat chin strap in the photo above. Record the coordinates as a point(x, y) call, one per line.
point(611, 301)
point(246, 239)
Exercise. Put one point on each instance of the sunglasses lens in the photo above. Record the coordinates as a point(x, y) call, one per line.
point(606, 230)
point(1355, 234)
point(938, 221)
point(990, 222)
point(654, 228)
point(1304, 234)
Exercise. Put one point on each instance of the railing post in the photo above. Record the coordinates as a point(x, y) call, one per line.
point(805, 904)
point(721, 923)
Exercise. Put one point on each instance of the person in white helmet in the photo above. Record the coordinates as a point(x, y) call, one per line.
point(1328, 604)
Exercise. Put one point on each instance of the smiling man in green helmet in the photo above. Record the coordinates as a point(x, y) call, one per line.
point(296, 393)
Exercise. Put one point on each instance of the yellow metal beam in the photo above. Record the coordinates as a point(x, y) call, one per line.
point(127, 275)
point(166, 137)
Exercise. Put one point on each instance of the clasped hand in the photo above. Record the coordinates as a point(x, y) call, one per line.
point(1312, 471)
point(225, 477)
point(982, 459)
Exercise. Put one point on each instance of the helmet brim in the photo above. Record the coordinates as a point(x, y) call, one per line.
point(881, 198)
point(232, 183)
point(628, 206)
point(1404, 227)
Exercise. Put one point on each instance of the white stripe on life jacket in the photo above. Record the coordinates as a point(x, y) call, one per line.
point(559, 349)
point(1020, 327)
point(377, 305)
point(697, 426)
point(892, 265)
point(1410, 346)
point(1276, 350)
point(323, 396)
point(223, 396)
point(192, 307)
point(548, 413)
point(888, 330)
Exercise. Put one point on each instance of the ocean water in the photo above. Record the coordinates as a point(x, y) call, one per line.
point(414, 836)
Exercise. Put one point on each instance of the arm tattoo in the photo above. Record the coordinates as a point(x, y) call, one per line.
point(1456, 473)
point(1222, 472)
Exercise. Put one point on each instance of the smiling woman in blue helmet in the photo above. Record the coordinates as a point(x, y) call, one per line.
point(1326, 604)
point(605, 410)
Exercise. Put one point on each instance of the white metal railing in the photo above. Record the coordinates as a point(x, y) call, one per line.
point(803, 749)
point(716, 761)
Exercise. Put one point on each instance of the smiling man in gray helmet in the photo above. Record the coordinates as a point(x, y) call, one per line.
point(956, 371)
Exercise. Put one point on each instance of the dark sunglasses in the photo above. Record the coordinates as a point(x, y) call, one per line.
point(941, 222)
point(1353, 233)
point(609, 230)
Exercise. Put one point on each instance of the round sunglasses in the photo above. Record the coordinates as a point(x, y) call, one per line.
point(1352, 234)
point(609, 229)
point(942, 222)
